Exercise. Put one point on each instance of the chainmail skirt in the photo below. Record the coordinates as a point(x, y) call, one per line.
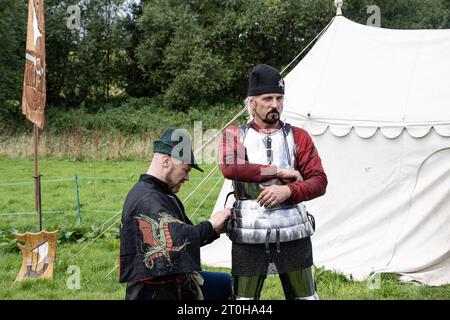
point(252, 259)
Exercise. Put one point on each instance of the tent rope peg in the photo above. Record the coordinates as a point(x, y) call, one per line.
point(338, 4)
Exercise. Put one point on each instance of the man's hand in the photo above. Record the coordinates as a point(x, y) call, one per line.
point(218, 220)
point(289, 175)
point(272, 196)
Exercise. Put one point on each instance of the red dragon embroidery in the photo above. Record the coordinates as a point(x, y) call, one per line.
point(158, 238)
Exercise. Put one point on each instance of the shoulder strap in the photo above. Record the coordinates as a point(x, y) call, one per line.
point(243, 128)
point(286, 130)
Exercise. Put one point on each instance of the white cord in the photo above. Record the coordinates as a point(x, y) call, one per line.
point(318, 36)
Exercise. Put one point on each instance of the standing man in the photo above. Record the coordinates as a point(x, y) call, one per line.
point(274, 167)
point(159, 245)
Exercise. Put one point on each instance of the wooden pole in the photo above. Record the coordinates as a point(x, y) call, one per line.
point(77, 197)
point(37, 177)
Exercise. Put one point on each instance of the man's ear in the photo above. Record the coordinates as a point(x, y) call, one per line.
point(166, 161)
point(252, 103)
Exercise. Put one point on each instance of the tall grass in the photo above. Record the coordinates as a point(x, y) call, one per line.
point(80, 145)
point(121, 133)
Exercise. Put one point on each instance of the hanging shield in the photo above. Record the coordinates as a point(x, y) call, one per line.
point(39, 252)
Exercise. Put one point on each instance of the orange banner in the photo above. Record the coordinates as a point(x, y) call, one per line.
point(34, 84)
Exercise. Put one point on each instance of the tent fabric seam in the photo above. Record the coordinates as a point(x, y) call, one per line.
point(366, 132)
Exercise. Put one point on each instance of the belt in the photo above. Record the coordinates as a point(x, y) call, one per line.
point(177, 279)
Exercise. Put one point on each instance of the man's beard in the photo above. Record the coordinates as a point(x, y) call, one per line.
point(175, 188)
point(272, 117)
point(173, 185)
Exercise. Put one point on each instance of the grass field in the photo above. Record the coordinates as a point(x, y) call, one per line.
point(103, 186)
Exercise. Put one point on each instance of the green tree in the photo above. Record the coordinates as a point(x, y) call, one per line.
point(136, 83)
point(12, 59)
point(403, 14)
point(203, 50)
point(61, 44)
point(84, 65)
point(185, 51)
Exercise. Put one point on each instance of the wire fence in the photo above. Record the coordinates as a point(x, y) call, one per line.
point(73, 203)
point(75, 195)
point(78, 188)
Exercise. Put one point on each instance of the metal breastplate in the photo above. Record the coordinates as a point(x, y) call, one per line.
point(256, 224)
point(282, 149)
point(253, 223)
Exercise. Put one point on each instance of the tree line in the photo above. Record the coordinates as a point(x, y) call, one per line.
point(176, 51)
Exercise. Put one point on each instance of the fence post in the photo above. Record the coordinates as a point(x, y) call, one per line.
point(77, 200)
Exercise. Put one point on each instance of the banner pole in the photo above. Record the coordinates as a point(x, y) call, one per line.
point(77, 198)
point(37, 176)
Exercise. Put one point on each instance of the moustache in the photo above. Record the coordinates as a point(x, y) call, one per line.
point(273, 111)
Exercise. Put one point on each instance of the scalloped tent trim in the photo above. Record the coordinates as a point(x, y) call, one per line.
point(366, 132)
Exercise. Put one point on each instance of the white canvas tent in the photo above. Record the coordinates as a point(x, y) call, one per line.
point(377, 105)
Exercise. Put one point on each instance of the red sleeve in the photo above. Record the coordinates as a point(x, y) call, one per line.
point(308, 163)
point(233, 163)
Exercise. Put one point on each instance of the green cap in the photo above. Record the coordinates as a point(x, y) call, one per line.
point(176, 143)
